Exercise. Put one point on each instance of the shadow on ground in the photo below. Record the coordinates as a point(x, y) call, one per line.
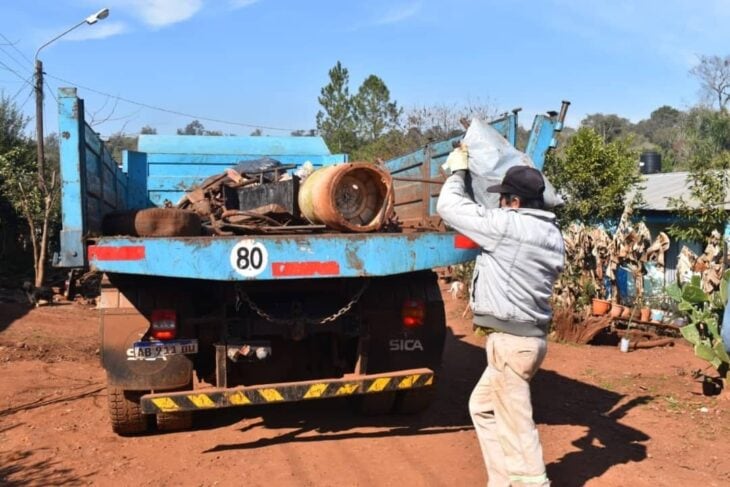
point(9, 312)
point(25, 468)
point(558, 400)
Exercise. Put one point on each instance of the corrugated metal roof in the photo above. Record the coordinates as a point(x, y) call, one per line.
point(659, 187)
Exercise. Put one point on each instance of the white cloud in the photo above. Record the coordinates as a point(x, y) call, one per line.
point(399, 13)
point(157, 13)
point(100, 30)
point(236, 4)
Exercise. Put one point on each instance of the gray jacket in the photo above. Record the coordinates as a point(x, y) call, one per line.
point(522, 255)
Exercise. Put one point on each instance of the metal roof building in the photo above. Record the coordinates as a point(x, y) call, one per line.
point(656, 190)
point(659, 187)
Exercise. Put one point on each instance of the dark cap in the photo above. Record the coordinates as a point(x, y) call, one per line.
point(523, 181)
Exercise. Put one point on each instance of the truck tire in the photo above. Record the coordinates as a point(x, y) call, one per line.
point(175, 421)
point(124, 411)
point(415, 401)
point(375, 404)
point(152, 222)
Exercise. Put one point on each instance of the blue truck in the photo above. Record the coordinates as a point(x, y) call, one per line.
point(205, 322)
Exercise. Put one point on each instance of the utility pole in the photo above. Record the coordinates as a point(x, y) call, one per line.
point(90, 20)
point(41, 156)
point(49, 191)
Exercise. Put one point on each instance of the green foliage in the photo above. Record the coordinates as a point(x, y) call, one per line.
point(374, 112)
point(370, 126)
point(118, 142)
point(703, 313)
point(610, 127)
point(18, 172)
point(336, 120)
point(709, 160)
point(12, 122)
point(197, 128)
point(303, 133)
point(593, 176)
point(387, 146)
point(33, 196)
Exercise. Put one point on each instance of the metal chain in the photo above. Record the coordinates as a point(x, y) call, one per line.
point(242, 296)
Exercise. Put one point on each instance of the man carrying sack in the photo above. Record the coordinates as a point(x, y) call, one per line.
point(522, 255)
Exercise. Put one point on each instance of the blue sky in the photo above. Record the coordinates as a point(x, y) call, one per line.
point(263, 62)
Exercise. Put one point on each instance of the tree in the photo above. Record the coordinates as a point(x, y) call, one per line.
point(610, 127)
point(336, 121)
point(708, 178)
point(147, 130)
point(257, 133)
point(19, 181)
point(664, 131)
point(593, 176)
point(12, 123)
point(304, 133)
point(441, 121)
point(118, 142)
point(197, 128)
point(713, 73)
point(37, 205)
point(375, 113)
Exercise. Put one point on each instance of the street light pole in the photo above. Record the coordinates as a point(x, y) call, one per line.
point(91, 19)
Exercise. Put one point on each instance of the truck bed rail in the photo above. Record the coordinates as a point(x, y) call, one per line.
point(269, 257)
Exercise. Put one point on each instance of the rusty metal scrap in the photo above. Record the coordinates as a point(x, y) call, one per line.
point(209, 201)
point(214, 201)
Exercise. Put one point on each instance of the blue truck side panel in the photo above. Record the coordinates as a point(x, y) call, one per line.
point(542, 138)
point(224, 145)
point(91, 182)
point(287, 257)
point(135, 165)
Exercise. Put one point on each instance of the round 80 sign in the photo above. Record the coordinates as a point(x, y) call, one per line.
point(249, 258)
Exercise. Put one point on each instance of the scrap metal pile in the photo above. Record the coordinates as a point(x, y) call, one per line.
point(264, 196)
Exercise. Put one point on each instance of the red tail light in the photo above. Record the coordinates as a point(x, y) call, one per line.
point(413, 313)
point(164, 324)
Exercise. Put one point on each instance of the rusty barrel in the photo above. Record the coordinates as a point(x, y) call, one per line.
point(351, 197)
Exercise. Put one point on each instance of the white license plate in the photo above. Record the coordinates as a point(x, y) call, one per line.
point(163, 349)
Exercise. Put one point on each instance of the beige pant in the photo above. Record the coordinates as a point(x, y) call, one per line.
point(501, 409)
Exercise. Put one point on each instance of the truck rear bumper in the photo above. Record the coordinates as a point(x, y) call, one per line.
point(172, 402)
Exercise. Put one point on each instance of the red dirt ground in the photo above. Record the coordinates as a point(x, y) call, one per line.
point(606, 418)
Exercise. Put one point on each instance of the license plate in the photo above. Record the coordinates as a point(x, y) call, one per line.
point(163, 349)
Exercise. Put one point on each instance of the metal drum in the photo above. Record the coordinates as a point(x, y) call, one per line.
point(353, 197)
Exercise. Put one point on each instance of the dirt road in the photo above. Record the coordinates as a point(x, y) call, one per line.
point(606, 419)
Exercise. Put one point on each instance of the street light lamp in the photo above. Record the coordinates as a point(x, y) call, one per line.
point(91, 19)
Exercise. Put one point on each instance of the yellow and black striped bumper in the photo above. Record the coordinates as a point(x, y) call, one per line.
point(290, 392)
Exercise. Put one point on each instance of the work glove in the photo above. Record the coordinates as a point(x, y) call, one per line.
point(457, 160)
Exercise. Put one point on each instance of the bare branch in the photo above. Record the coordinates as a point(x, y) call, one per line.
point(713, 72)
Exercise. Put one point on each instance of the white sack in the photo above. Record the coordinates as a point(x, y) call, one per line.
point(490, 156)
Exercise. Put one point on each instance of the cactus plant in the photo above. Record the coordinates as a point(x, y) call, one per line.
point(703, 312)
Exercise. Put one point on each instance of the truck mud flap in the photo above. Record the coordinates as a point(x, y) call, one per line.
point(285, 392)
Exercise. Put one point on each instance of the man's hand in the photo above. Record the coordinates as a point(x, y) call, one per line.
point(457, 160)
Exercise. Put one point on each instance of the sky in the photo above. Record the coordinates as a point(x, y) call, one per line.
point(262, 63)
